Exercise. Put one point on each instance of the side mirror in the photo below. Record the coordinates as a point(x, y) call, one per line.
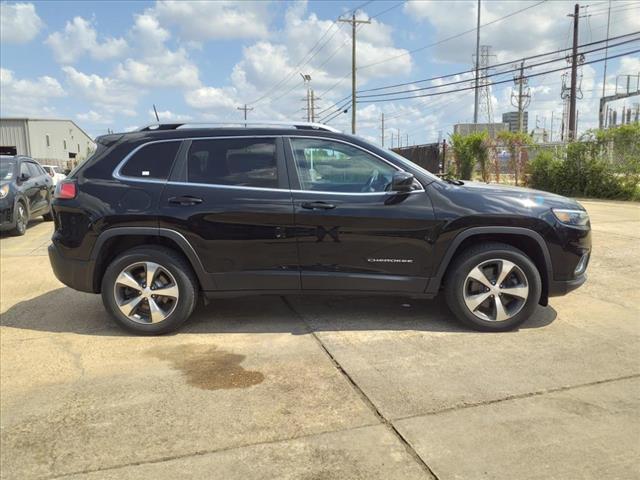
point(24, 177)
point(402, 182)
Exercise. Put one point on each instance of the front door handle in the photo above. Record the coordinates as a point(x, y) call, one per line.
point(185, 200)
point(318, 206)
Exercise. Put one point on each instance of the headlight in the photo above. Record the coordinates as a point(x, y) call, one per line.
point(571, 217)
point(4, 190)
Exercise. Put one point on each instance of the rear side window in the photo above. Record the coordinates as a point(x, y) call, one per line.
point(152, 161)
point(242, 162)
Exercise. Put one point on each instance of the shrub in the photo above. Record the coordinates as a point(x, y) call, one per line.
point(604, 164)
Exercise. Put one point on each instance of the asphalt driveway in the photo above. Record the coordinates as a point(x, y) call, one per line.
point(323, 387)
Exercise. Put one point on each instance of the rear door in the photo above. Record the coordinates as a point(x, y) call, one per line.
point(230, 198)
point(43, 183)
point(353, 234)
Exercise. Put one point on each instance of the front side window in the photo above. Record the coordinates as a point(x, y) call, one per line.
point(34, 170)
point(24, 170)
point(153, 161)
point(324, 165)
point(244, 162)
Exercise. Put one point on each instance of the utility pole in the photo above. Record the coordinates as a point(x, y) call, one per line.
point(551, 129)
point(245, 109)
point(382, 129)
point(476, 99)
point(313, 107)
point(523, 97)
point(399, 141)
point(574, 74)
point(354, 24)
point(606, 52)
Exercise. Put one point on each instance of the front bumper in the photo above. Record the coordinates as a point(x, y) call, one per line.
point(557, 288)
point(77, 274)
point(6, 219)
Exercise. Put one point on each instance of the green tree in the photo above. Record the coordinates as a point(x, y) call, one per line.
point(464, 160)
point(514, 142)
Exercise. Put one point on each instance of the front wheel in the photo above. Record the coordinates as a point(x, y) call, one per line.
point(22, 219)
point(149, 290)
point(493, 287)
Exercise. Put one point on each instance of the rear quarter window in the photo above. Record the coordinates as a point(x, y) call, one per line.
point(153, 161)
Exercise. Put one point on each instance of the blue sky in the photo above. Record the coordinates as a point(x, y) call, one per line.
point(104, 64)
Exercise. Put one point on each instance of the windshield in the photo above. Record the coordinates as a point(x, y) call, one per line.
point(6, 168)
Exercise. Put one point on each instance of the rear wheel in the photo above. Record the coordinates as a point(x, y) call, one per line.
point(149, 290)
point(22, 219)
point(493, 287)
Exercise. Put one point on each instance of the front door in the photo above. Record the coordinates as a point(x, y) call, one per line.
point(230, 198)
point(353, 234)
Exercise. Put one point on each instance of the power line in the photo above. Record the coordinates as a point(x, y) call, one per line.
point(457, 82)
point(494, 83)
point(409, 52)
point(510, 62)
point(302, 61)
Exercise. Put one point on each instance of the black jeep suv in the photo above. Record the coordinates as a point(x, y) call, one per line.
point(157, 217)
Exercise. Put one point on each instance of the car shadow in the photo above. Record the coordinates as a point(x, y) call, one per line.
point(66, 310)
point(32, 223)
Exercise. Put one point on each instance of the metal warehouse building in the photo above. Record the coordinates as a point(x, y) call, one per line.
point(49, 141)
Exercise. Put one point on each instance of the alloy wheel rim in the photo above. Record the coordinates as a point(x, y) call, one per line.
point(495, 290)
point(146, 292)
point(21, 217)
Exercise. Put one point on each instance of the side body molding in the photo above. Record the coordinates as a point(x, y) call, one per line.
point(185, 247)
point(434, 284)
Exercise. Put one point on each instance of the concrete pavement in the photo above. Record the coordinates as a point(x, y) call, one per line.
point(314, 387)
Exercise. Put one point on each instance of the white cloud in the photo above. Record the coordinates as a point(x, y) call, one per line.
point(273, 67)
point(27, 97)
point(542, 28)
point(79, 38)
point(94, 117)
point(210, 98)
point(169, 116)
point(201, 21)
point(19, 22)
point(106, 92)
point(154, 64)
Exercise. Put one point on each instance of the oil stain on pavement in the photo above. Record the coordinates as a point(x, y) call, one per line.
point(207, 367)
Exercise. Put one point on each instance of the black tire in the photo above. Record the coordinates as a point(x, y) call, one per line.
point(459, 270)
point(22, 219)
point(170, 260)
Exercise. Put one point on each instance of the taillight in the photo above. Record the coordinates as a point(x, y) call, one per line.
point(66, 190)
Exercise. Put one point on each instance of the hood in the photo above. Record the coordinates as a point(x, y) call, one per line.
point(525, 197)
point(507, 202)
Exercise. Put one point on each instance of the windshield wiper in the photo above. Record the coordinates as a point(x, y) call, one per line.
point(447, 177)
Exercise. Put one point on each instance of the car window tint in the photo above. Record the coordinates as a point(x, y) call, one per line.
point(242, 162)
point(37, 169)
point(24, 169)
point(323, 165)
point(152, 161)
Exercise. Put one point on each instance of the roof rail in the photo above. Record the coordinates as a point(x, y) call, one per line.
point(267, 123)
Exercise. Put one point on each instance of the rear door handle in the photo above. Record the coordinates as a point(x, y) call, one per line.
point(318, 206)
point(185, 200)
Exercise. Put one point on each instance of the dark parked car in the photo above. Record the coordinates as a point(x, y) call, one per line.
point(25, 193)
point(158, 217)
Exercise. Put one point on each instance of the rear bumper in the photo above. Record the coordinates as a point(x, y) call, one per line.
point(77, 274)
point(557, 288)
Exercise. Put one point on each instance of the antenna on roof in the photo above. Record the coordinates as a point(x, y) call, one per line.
point(156, 112)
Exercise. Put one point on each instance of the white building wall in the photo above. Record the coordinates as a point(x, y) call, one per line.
point(51, 141)
point(13, 134)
